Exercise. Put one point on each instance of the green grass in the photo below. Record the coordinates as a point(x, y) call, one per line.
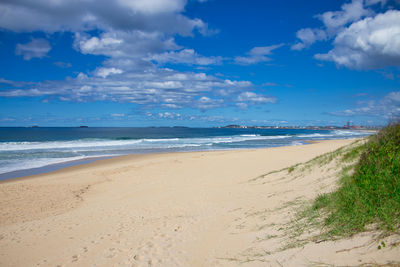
point(371, 192)
point(291, 169)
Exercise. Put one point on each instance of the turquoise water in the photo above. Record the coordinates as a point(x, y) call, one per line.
point(30, 148)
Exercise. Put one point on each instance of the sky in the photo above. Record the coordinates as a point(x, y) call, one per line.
point(199, 63)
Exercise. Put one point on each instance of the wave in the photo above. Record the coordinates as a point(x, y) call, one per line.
point(335, 133)
point(147, 143)
point(350, 133)
point(313, 135)
point(26, 164)
point(27, 155)
point(16, 165)
point(101, 144)
point(296, 143)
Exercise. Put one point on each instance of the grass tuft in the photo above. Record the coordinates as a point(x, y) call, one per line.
point(291, 169)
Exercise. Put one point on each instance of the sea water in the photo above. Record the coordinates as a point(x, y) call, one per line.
point(32, 148)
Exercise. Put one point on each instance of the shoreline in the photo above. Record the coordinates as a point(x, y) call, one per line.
point(51, 168)
point(43, 157)
point(26, 173)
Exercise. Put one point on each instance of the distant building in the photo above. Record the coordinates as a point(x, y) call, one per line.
point(347, 125)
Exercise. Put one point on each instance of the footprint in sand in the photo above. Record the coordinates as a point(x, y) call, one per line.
point(74, 258)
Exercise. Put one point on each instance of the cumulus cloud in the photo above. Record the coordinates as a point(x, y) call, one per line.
point(77, 16)
point(334, 22)
point(37, 48)
point(132, 29)
point(350, 12)
point(361, 38)
point(368, 44)
point(136, 38)
point(257, 55)
point(124, 44)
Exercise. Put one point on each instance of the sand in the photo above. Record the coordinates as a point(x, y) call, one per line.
point(216, 208)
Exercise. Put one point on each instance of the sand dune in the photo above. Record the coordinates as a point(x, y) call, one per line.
point(181, 209)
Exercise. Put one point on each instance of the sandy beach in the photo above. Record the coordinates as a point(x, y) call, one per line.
point(216, 208)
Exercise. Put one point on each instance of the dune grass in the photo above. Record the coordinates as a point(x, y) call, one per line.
point(371, 192)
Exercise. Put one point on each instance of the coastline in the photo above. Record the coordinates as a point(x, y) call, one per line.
point(50, 168)
point(170, 209)
point(30, 154)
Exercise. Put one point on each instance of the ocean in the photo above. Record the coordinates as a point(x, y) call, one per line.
point(27, 151)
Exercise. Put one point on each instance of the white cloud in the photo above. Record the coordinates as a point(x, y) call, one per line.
point(77, 16)
point(173, 106)
point(164, 85)
point(63, 64)
point(169, 115)
point(191, 117)
point(185, 56)
point(308, 37)
point(368, 44)
point(153, 6)
point(104, 72)
point(35, 48)
point(207, 103)
point(373, 2)
point(242, 105)
point(257, 55)
point(94, 45)
point(334, 22)
point(270, 84)
point(126, 30)
point(29, 92)
point(387, 107)
point(150, 87)
point(255, 98)
point(353, 11)
point(123, 45)
point(135, 37)
point(118, 115)
point(246, 98)
point(362, 38)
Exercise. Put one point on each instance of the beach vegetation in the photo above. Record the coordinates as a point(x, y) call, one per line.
point(369, 191)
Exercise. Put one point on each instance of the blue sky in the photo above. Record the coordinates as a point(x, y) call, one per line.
point(199, 63)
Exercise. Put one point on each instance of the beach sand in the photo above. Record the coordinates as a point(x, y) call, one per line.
point(216, 208)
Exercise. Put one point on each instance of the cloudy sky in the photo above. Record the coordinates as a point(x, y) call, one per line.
point(199, 62)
